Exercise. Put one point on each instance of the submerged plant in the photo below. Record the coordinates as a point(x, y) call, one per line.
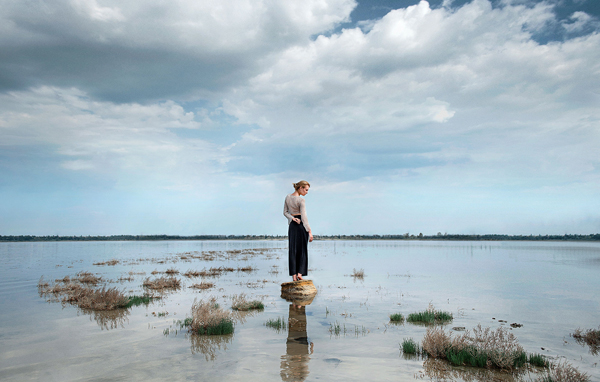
point(358, 274)
point(590, 337)
point(277, 324)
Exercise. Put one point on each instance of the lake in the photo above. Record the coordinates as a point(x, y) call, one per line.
point(550, 288)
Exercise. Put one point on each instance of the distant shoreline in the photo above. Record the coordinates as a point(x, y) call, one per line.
point(438, 237)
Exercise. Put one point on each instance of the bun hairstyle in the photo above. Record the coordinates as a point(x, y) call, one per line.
point(300, 184)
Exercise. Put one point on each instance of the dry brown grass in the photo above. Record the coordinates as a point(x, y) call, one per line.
point(97, 299)
point(436, 341)
point(563, 372)
point(247, 269)
point(207, 314)
point(190, 273)
point(358, 274)
point(109, 262)
point(162, 283)
point(591, 337)
point(172, 271)
point(88, 278)
point(239, 302)
point(202, 285)
point(499, 346)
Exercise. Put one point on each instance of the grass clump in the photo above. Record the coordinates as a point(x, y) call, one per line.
point(239, 302)
point(409, 346)
point(358, 274)
point(203, 285)
point(396, 317)
point(483, 348)
point(88, 278)
point(537, 360)
point(209, 319)
point(162, 283)
point(430, 316)
point(591, 337)
point(277, 324)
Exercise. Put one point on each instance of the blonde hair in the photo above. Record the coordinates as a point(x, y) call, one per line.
point(300, 184)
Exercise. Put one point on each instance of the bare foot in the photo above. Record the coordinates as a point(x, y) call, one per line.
point(300, 277)
point(294, 278)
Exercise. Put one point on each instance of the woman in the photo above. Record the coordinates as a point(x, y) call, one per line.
point(299, 233)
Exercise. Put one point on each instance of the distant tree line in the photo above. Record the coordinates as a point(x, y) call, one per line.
point(406, 236)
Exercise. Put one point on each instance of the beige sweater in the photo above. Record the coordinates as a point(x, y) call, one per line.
point(295, 205)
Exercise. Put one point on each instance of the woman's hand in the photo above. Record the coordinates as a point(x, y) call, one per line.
point(310, 237)
point(296, 220)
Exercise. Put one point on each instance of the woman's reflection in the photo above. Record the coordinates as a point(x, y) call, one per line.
point(294, 364)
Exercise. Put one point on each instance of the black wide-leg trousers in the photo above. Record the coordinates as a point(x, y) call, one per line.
point(298, 249)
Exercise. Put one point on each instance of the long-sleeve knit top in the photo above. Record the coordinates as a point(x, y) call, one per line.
point(295, 205)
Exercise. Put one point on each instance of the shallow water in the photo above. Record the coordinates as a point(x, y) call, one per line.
point(550, 288)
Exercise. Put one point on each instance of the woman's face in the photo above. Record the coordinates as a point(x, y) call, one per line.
point(303, 190)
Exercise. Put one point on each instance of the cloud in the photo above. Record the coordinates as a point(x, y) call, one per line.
point(152, 50)
point(440, 115)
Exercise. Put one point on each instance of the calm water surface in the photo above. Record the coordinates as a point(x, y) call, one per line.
point(550, 288)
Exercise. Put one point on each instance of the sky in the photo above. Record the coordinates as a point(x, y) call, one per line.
point(195, 117)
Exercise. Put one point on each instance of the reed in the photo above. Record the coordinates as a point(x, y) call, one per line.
point(203, 285)
point(396, 317)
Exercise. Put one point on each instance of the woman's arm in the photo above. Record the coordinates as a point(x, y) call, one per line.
point(304, 218)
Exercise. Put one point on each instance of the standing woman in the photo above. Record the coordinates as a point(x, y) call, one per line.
point(299, 233)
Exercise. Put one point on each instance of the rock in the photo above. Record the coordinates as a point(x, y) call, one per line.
point(300, 292)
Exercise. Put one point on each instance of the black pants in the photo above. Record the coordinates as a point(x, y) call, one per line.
point(298, 251)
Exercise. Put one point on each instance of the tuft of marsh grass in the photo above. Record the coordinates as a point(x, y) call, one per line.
point(537, 360)
point(203, 285)
point(88, 278)
point(430, 316)
point(409, 346)
point(483, 348)
point(172, 271)
point(277, 324)
point(591, 337)
point(239, 302)
point(162, 283)
point(396, 317)
point(358, 274)
point(209, 319)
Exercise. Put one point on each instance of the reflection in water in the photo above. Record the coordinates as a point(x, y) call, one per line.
point(208, 345)
point(107, 319)
point(440, 370)
point(294, 364)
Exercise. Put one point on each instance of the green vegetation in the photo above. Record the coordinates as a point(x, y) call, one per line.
point(239, 302)
point(430, 316)
point(396, 317)
point(484, 348)
point(409, 346)
point(537, 360)
point(138, 300)
point(277, 324)
point(209, 319)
